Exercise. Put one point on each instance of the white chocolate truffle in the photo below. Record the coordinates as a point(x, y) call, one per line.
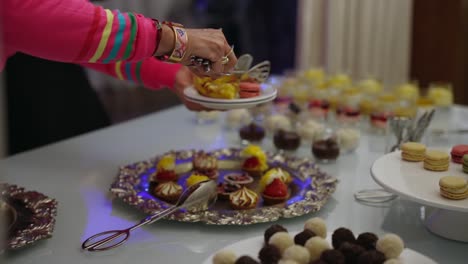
point(310, 130)
point(276, 122)
point(393, 261)
point(317, 225)
point(390, 245)
point(316, 245)
point(237, 117)
point(348, 138)
point(297, 253)
point(287, 261)
point(224, 257)
point(281, 240)
point(208, 115)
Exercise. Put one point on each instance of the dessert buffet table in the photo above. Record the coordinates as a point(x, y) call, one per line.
point(79, 171)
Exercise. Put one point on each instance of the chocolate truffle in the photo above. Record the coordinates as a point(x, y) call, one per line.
point(371, 257)
point(246, 260)
point(224, 257)
point(272, 230)
point(281, 240)
point(298, 254)
point(351, 252)
point(390, 245)
point(286, 140)
point(326, 149)
point(302, 237)
point(316, 225)
point(342, 235)
point(269, 254)
point(332, 256)
point(252, 132)
point(367, 240)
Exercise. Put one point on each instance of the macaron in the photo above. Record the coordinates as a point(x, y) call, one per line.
point(457, 153)
point(465, 163)
point(413, 151)
point(436, 160)
point(249, 89)
point(453, 187)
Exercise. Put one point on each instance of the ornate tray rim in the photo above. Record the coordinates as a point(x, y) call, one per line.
point(128, 178)
point(39, 225)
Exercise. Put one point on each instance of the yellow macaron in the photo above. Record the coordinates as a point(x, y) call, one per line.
point(436, 160)
point(453, 187)
point(413, 151)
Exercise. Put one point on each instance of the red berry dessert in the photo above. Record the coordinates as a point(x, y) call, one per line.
point(206, 164)
point(275, 192)
point(457, 153)
point(165, 170)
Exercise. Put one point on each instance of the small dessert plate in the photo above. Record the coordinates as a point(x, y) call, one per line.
point(251, 247)
point(267, 94)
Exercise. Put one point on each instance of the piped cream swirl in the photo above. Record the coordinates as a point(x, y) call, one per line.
point(244, 197)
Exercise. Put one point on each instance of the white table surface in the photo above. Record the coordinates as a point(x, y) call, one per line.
point(78, 172)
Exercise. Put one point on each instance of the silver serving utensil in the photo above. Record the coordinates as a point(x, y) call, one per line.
point(243, 63)
point(197, 197)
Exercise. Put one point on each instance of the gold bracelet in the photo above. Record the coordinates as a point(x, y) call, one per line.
point(180, 43)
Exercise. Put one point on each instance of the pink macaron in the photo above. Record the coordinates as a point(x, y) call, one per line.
point(457, 153)
point(249, 89)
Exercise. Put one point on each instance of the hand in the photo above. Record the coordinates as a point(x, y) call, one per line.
point(209, 44)
point(183, 79)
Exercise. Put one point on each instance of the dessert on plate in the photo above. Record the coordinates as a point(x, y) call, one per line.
point(457, 153)
point(413, 151)
point(168, 191)
point(326, 149)
point(243, 199)
point(252, 133)
point(436, 160)
point(274, 173)
point(453, 187)
point(226, 188)
point(196, 178)
point(205, 164)
point(165, 169)
point(241, 178)
point(275, 192)
point(255, 160)
point(286, 140)
point(228, 87)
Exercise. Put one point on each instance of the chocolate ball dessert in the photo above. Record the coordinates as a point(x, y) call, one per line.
point(342, 235)
point(332, 256)
point(269, 254)
point(326, 149)
point(246, 260)
point(273, 230)
point(302, 237)
point(371, 257)
point(351, 252)
point(252, 133)
point(367, 240)
point(286, 140)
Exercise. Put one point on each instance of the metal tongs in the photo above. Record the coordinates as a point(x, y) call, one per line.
point(195, 198)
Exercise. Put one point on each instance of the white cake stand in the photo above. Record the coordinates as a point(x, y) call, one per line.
point(444, 217)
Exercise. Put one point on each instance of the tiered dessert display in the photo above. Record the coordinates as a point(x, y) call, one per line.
point(253, 186)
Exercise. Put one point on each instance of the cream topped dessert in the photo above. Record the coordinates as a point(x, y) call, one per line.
point(243, 198)
point(168, 191)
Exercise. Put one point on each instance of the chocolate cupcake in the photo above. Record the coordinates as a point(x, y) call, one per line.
point(246, 260)
point(286, 140)
point(332, 256)
point(326, 149)
point(252, 133)
point(302, 237)
point(273, 230)
point(269, 254)
point(367, 240)
point(342, 235)
point(371, 257)
point(351, 252)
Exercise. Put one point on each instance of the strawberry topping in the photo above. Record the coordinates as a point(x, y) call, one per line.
point(251, 163)
point(166, 176)
point(276, 189)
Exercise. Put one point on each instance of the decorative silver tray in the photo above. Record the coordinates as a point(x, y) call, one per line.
point(29, 215)
point(310, 189)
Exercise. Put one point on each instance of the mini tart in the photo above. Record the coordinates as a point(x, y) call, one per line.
point(225, 189)
point(275, 192)
point(168, 191)
point(275, 173)
point(165, 169)
point(196, 178)
point(206, 164)
point(238, 178)
point(164, 176)
point(254, 166)
point(243, 199)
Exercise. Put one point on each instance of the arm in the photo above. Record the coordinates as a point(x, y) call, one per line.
point(78, 31)
point(152, 73)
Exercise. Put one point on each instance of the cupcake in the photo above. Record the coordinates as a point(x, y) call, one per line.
point(165, 169)
point(168, 191)
point(255, 160)
point(286, 140)
point(252, 133)
point(206, 164)
point(225, 189)
point(243, 199)
point(275, 192)
point(196, 178)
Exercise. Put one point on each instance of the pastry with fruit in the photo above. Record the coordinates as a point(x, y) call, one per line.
point(275, 192)
point(168, 191)
point(206, 164)
point(196, 178)
point(255, 160)
point(165, 169)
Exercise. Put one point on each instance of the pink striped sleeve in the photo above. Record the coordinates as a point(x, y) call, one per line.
point(153, 74)
point(77, 31)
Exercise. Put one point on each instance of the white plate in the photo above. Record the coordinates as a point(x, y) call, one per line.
point(252, 246)
point(412, 181)
point(267, 94)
